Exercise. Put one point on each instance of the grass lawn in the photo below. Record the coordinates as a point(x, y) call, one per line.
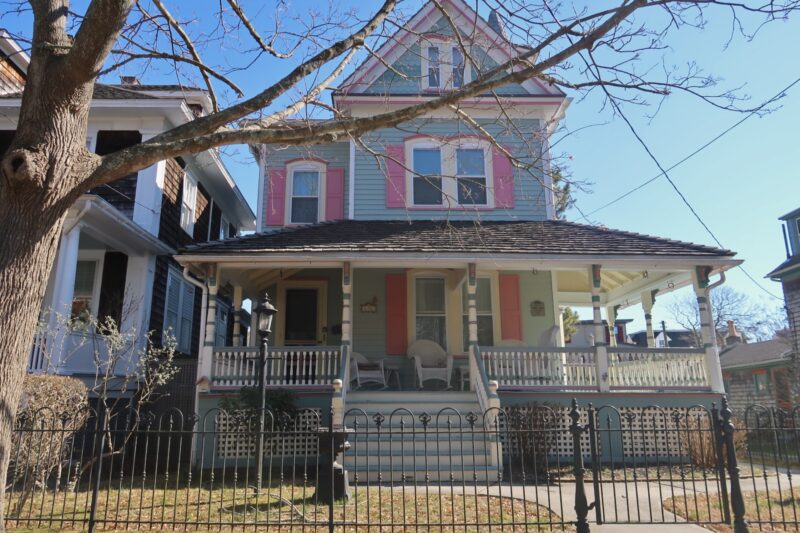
point(283, 508)
point(763, 506)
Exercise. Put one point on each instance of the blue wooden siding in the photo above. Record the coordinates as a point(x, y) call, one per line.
point(522, 138)
point(336, 154)
point(405, 77)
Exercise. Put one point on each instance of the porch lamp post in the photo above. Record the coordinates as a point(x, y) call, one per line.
point(264, 313)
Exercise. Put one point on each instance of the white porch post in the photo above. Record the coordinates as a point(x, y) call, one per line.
point(237, 315)
point(701, 289)
point(600, 348)
point(347, 305)
point(149, 191)
point(648, 299)
point(611, 317)
point(207, 347)
point(472, 324)
point(63, 292)
point(137, 298)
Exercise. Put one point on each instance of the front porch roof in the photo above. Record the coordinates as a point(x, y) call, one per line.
point(551, 237)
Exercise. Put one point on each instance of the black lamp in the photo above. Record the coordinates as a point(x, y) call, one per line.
point(265, 314)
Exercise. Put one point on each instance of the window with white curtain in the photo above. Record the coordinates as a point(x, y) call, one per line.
point(431, 314)
point(188, 204)
point(483, 304)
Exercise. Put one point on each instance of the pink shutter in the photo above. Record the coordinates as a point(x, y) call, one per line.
point(510, 311)
point(334, 194)
point(395, 176)
point(503, 170)
point(396, 315)
point(276, 199)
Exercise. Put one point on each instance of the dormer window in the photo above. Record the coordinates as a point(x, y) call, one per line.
point(444, 64)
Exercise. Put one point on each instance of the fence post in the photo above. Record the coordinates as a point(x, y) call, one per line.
point(581, 503)
point(592, 429)
point(331, 473)
point(98, 470)
point(719, 440)
point(737, 500)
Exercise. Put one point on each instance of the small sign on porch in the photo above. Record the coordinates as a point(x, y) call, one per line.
point(370, 306)
point(537, 308)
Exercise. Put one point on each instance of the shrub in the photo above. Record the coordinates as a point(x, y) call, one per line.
point(52, 409)
point(532, 430)
point(246, 405)
point(698, 442)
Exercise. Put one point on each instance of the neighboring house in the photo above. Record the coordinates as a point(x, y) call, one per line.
point(426, 234)
point(584, 333)
point(788, 274)
point(756, 373)
point(115, 255)
point(675, 338)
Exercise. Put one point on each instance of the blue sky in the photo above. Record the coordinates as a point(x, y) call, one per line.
point(739, 186)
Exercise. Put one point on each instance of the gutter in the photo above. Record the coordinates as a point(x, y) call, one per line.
point(77, 219)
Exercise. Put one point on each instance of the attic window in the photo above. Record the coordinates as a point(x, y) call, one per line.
point(444, 64)
point(433, 66)
point(458, 67)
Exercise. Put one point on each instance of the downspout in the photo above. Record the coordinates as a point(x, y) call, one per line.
point(719, 282)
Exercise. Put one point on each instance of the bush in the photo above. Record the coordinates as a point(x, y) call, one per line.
point(246, 405)
point(698, 444)
point(532, 430)
point(52, 409)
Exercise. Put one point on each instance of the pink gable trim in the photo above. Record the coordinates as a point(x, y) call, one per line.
point(334, 194)
point(395, 176)
point(503, 171)
point(510, 311)
point(276, 199)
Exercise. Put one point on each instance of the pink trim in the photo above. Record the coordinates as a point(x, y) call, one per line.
point(503, 173)
point(444, 138)
point(437, 36)
point(510, 311)
point(334, 194)
point(396, 314)
point(276, 199)
point(299, 159)
point(384, 99)
point(395, 176)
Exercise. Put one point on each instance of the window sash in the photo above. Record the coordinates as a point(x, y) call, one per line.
point(431, 310)
point(434, 77)
point(304, 207)
point(427, 181)
point(188, 203)
point(458, 67)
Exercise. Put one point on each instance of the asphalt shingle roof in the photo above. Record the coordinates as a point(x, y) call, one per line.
point(428, 236)
point(104, 92)
point(791, 262)
point(754, 353)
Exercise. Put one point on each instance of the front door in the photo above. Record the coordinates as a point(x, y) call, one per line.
point(301, 317)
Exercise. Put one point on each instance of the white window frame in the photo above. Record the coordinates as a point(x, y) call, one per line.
point(448, 150)
point(223, 227)
point(98, 258)
point(182, 283)
point(430, 275)
point(446, 63)
point(305, 166)
point(190, 187)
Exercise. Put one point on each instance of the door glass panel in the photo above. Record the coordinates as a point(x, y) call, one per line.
point(301, 317)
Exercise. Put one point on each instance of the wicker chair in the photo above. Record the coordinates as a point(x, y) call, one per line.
point(431, 362)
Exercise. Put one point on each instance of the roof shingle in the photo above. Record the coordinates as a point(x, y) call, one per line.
point(485, 237)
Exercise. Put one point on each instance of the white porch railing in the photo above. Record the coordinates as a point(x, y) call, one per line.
point(576, 368)
point(294, 365)
point(561, 368)
point(39, 359)
point(657, 368)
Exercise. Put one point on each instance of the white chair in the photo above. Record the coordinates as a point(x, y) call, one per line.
point(364, 371)
point(431, 362)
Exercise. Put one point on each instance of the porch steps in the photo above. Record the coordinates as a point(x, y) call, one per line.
point(392, 442)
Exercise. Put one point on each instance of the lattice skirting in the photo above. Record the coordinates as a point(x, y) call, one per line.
point(235, 441)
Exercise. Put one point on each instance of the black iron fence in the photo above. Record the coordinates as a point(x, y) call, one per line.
point(522, 468)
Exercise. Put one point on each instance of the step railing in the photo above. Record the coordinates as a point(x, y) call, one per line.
point(291, 365)
point(657, 368)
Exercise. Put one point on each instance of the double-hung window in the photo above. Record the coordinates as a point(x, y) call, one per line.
point(427, 179)
point(188, 204)
point(458, 68)
point(434, 68)
point(84, 296)
point(483, 304)
point(430, 313)
point(304, 201)
point(179, 310)
point(471, 176)
point(444, 64)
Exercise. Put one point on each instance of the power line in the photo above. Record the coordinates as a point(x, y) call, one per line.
point(755, 111)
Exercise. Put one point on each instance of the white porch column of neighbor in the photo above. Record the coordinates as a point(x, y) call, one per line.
point(204, 366)
point(339, 388)
point(136, 300)
point(648, 300)
point(611, 318)
point(702, 289)
point(237, 315)
point(601, 350)
point(63, 292)
point(472, 325)
point(149, 191)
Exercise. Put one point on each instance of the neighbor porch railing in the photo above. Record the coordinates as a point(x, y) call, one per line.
point(294, 365)
point(567, 369)
point(657, 368)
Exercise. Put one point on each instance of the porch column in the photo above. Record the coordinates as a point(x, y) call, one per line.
point(600, 348)
point(205, 365)
point(611, 317)
point(237, 315)
point(137, 298)
point(472, 325)
point(347, 305)
point(63, 292)
point(149, 192)
point(701, 288)
point(648, 299)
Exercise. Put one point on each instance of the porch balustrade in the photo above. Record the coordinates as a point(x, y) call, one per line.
point(657, 369)
point(294, 365)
